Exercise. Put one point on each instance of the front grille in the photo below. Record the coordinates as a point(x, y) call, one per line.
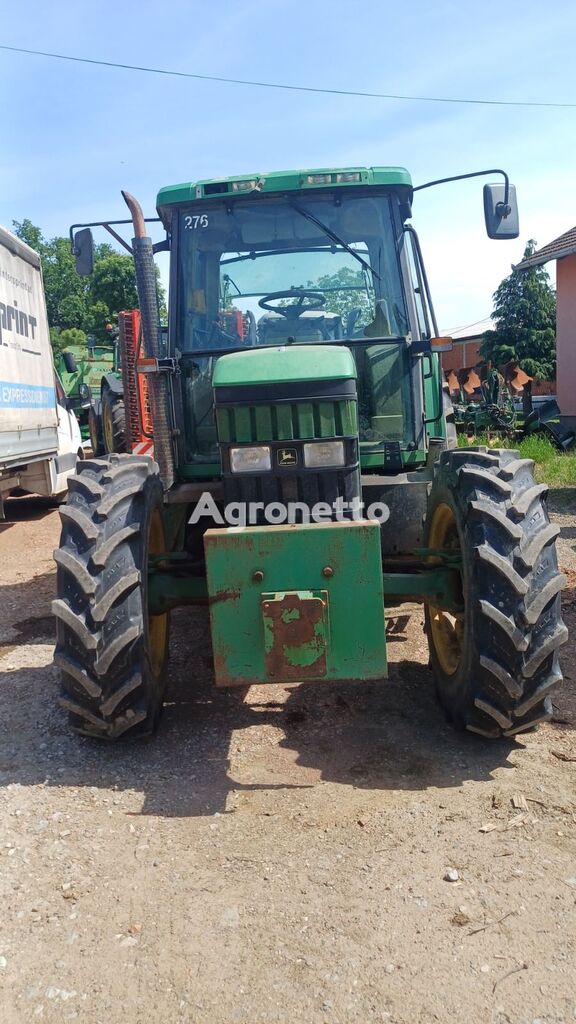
point(286, 421)
point(293, 421)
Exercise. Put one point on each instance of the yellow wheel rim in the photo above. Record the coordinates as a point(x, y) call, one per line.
point(447, 629)
point(157, 624)
point(108, 428)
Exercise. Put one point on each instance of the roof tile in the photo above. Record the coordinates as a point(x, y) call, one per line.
point(564, 245)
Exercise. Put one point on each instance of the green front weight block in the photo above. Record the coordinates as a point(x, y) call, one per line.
point(294, 603)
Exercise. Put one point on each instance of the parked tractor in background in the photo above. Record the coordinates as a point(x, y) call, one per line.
point(92, 381)
point(107, 416)
point(300, 393)
point(110, 406)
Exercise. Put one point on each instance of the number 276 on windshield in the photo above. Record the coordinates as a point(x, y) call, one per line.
point(197, 220)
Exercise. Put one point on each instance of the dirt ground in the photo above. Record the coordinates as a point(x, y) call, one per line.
point(279, 858)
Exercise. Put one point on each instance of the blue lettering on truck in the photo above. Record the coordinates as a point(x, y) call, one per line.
point(25, 396)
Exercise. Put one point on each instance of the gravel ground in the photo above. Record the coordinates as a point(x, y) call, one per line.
point(278, 856)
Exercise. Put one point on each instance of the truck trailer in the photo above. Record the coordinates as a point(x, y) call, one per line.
point(40, 438)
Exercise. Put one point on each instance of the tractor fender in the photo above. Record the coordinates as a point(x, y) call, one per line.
point(114, 383)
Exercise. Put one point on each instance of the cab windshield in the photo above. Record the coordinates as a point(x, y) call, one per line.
point(303, 269)
point(299, 269)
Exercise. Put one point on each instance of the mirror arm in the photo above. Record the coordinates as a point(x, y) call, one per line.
point(118, 238)
point(502, 209)
point(106, 224)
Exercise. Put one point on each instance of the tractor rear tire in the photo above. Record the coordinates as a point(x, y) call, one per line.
point(95, 428)
point(113, 421)
point(111, 652)
point(495, 664)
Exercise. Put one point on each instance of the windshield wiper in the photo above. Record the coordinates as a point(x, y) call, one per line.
point(332, 234)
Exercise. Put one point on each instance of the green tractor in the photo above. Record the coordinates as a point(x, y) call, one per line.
point(305, 472)
point(107, 416)
point(92, 381)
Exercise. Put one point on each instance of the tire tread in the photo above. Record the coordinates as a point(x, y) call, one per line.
point(514, 588)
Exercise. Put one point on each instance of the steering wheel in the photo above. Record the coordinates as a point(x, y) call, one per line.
point(294, 309)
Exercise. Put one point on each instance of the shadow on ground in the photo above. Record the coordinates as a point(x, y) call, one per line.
point(25, 509)
point(385, 735)
point(562, 499)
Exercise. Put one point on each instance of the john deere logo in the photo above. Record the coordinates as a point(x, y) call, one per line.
point(287, 456)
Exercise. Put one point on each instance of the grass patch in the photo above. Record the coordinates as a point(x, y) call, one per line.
point(558, 469)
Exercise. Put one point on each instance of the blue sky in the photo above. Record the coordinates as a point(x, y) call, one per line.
point(74, 135)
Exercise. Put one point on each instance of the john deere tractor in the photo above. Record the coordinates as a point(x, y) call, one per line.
point(106, 417)
point(92, 381)
point(305, 473)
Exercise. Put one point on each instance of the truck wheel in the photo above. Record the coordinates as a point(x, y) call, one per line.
point(95, 427)
point(111, 651)
point(113, 422)
point(496, 662)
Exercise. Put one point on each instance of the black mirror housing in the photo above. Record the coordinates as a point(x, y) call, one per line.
point(69, 362)
point(84, 252)
point(501, 219)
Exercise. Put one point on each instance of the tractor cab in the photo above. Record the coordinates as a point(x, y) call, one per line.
point(296, 259)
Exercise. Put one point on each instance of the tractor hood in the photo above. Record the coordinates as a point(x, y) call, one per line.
point(285, 364)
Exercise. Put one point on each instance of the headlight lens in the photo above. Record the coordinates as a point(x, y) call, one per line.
point(250, 460)
point(84, 391)
point(324, 453)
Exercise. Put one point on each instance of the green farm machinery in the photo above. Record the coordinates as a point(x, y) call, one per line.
point(305, 472)
point(92, 381)
point(498, 401)
point(483, 401)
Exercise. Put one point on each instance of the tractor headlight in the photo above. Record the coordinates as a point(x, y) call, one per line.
point(85, 392)
point(321, 454)
point(250, 460)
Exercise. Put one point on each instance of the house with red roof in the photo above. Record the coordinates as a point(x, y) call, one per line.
point(563, 250)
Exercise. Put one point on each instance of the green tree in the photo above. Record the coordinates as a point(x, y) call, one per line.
point(66, 292)
point(525, 318)
point(112, 287)
point(30, 234)
point(62, 340)
point(72, 336)
point(81, 303)
point(346, 298)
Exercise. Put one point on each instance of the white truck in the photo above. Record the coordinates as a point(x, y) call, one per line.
point(39, 436)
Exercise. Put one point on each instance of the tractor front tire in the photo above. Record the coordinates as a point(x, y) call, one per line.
point(95, 428)
point(113, 421)
point(496, 662)
point(112, 653)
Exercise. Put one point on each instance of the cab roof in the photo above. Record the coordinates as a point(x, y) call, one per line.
point(282, 181)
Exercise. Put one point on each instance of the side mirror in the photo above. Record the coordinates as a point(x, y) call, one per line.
point(84, 252)
point(501, 218)
point(69, 362)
